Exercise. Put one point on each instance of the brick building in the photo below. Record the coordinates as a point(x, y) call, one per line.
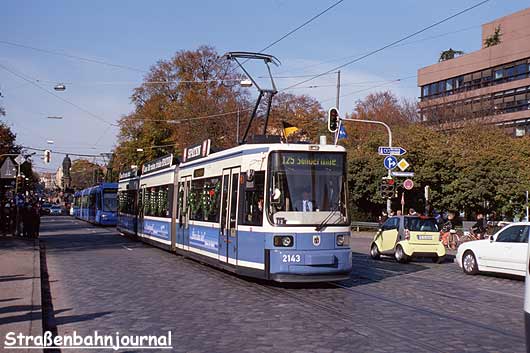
point(490, 85)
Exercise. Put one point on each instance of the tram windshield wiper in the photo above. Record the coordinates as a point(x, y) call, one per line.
point(323, 224)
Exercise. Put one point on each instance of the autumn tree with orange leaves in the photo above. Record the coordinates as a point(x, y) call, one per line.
point(195, 96)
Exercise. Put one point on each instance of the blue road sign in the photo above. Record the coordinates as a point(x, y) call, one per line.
point(391, 151)
point(390, 162)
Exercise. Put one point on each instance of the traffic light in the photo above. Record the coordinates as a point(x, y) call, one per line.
point(333, 119)
point(47, 156)
point(387, 188)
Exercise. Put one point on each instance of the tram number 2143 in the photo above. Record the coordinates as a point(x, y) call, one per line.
point(291, 258)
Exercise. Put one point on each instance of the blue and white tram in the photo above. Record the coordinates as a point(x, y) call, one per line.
point(128, 184)
point(98, 204)
point(77, 204)
point(156, 201)
point(272, 211)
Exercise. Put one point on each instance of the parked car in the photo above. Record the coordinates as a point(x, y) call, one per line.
point(56, 210)
point(45, 208)
point(405, 237)
point(504, 252)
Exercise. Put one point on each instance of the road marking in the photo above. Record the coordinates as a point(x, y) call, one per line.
point(123, 246)
point(501, 293)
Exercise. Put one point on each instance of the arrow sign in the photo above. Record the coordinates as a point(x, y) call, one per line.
point(403, 174)
point(391, 151)
point(390, 162)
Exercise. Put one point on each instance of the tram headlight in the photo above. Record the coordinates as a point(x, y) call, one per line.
point(285, 241)
point(343, 240)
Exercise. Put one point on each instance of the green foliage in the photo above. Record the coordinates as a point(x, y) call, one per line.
point(494, 39)
point(476, 169)
point(449, 54)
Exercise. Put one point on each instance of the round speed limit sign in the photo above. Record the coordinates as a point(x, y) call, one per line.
point(408, 184)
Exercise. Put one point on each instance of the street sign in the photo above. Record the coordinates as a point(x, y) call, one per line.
point(390, 162)
point(403, 174)
point(20, 159)
point(391, 151)
point(408, 184)
point(8, 169)
point(403, 164)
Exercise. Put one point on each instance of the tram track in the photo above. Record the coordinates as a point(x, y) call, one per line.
point(308, 306)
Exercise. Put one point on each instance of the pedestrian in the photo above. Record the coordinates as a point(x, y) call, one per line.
point(479, 227)
point(399, 213)
point(25, 218)
point(412, 212)
point(392, 213)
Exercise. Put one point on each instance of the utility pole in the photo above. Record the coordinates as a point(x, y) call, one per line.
point(337, 102)
point(388, 200)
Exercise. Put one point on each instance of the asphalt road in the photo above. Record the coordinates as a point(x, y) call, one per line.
point(105, 282)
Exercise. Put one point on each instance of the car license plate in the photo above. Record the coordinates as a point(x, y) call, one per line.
point(424, 237)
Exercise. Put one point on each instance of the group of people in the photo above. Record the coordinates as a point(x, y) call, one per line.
point(22, 220)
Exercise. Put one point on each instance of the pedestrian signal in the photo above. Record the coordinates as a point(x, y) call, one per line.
point(333, 119)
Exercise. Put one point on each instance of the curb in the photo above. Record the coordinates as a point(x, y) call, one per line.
point(36, 299)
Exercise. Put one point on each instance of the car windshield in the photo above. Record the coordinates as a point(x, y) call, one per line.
point(307, 188)
point(416, 224)
point(110, 203)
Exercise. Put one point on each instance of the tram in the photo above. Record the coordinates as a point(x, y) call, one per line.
point(274, 211)
point(127, 213)
point(97, 204)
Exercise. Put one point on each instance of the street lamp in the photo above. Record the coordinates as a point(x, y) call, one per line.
point(59, 87)
point(50, 142)
point(245, 83)
point(55, 117)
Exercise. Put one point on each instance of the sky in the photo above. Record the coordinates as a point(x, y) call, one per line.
point(137, 34)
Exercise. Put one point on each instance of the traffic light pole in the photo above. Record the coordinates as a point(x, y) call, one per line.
point(388, 201)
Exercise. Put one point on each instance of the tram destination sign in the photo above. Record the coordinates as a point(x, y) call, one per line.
point(157, 164)
point(196, 151)
point(127, 174)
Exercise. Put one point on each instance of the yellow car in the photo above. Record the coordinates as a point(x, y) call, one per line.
point(408, 236)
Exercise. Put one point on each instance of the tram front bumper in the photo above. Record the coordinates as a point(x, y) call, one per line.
point(310, 265)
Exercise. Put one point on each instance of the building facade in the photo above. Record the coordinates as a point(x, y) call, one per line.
point(487, 86)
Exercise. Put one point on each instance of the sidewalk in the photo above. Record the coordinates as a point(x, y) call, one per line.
point(20, 289)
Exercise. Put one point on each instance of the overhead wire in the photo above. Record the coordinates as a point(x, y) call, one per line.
point(22, 77)
point(467, 9)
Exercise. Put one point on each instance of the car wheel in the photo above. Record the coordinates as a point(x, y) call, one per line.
point(438, 259)
point(400, 255)
point(374, 252)
point(469, 263)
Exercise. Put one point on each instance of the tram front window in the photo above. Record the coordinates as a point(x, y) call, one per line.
point(110, 203)
point(307, 188)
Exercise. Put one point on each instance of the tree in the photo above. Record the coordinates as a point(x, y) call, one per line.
point(494, 39)
point(85, 174)
point(7, 140)
point(199, 84)
point(449, 54)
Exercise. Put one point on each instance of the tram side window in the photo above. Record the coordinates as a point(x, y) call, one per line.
point(155, 201)
point(252, 199)
point(204, 199)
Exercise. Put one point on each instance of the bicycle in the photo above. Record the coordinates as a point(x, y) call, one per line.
point(471, 236)
point(451, 239)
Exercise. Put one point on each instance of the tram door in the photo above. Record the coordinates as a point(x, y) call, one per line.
point(228, 226)
point(141, 207)
point(183, 229)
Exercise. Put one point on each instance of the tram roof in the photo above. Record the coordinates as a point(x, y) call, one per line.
point(250, 149)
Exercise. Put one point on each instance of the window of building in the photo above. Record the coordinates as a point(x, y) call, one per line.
point(520, 131)
point(449, 85)
point(498, 73)
point(425, 91)
point(433, 89)
point(509, 73)
point(459, 82)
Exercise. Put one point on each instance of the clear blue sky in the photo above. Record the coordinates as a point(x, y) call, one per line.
point(139, 33)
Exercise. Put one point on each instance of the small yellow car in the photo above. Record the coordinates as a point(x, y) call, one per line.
point(405, 237)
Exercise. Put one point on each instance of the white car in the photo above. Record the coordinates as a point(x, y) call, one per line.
point(505, 252)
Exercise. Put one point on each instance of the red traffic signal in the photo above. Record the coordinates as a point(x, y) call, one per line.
point(333, 119)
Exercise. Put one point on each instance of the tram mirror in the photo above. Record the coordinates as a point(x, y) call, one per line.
point(276, 195)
